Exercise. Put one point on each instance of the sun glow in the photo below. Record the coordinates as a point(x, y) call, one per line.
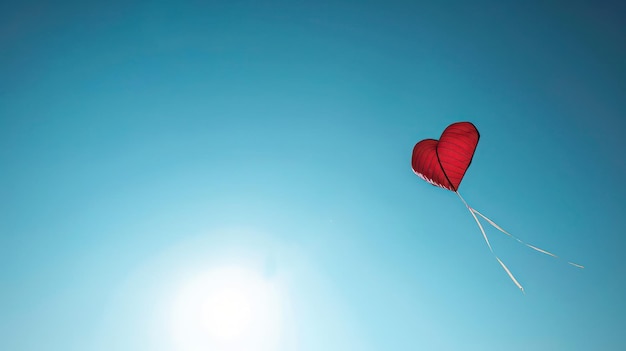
point(227, 309)
point(227, 313)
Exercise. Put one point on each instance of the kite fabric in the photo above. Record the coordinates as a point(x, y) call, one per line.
point(444, 162)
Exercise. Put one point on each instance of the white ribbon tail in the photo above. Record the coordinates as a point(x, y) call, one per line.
point(542, 251)
point(520, 240)
point(511, 275)
point(482, 230)
point(576, 265)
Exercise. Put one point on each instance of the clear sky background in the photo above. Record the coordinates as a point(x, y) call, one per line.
point(143, 143)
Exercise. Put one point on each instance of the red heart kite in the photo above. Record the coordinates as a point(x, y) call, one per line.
point(444, 162)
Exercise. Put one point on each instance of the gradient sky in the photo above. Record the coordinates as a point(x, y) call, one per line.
point(142, 142)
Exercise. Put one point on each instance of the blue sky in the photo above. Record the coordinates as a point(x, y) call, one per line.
point(145, 142)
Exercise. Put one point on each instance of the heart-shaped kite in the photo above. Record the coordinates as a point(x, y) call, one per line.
point(444, 162)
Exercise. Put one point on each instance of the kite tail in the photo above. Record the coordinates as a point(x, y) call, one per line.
point(545, 252)
point(474, 212)
point(482, 230)
point(522, 242)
